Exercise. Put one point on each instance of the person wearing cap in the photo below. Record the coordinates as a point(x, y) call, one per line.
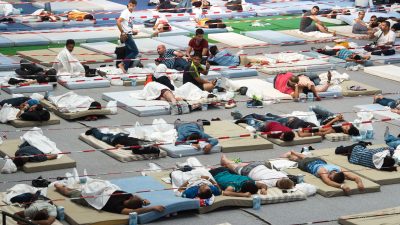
point(30, 109)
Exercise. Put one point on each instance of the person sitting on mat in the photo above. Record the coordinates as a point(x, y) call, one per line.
point(198, 45)
point(161, 76)
point(173, 59)
point(330, 174)
point(66, 64)
point(360, 154)
point(262, 124)
point(260, 173)
point(119, 201)
point(30, 109)
point(293, 85)
point(310, 22)
point(40, 212)
point(122, 140)
point(192, 74)
point(236, 185)
point(28, 70)
point(226, 58)
point(360, 27)
point(333, 123)
point(28, 153)
point(193, 133)
point(394, 105)
point(385, 36)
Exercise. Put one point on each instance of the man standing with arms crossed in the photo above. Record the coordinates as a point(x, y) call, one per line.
point(125, 26)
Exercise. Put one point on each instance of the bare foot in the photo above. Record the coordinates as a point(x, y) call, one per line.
point(122, 67)
point(334, 33)
point(377, 97)
point(286, 155)
point(223, 160)
point(178, 98)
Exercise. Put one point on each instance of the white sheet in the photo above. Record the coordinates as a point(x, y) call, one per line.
point(71, 102)
point(101, 188)
point(159, 132)
point(67, 64)
point(315, 34)
point(8, 113)
point(36, 139)
point(337, 78)
point(19, 189)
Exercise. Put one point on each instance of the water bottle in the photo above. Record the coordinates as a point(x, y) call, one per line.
point(310, 97)
point(370, 134)
point(133, 82)
point(215, 91)
point(300, 178)
point(256, 202)
point(204, 107)
point(133, 218)
point(302, 97)
point(60, 213)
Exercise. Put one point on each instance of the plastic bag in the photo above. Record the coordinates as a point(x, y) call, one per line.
point(112, 106)
point(140, 132)
point(8, 113)
point(9, 166)
point(366, 129)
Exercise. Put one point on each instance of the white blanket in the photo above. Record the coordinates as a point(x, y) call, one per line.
point(160, 132)
point(17, 190)
point(315, 34)
point(8, 113)
point(337, 78)
point(36, 139)
point(281, 164)
point(101, 188)
point(71, 102)
point(153, 90)
point(68, 64)
point(6, 9)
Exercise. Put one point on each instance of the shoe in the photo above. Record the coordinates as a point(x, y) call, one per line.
point(216, 119)
point(101, 73)
point(254, 103)
point(243, 90)
point(231, 104)
point(90, 131)
point(236, 115)
point(54, 85)
point(220, 89)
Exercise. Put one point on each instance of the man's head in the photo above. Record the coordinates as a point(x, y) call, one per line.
point(355, 56)
point(284, 183)
point(249, 186)
point(213, 50)
point(293, 81)
point(37, 108)
point(315, 10)
point(88, 17)
point(161, 49)
point(308, 125)
point(373, 19)
point(204, 192)
point(389, 164)
point(134, 202)
point(361, 15)
point(337, 177)
point(41, 215)
point(20, 161)
point(195, 137)
point(287, 136)
point(199, 34)
point(70, 45)
point(131, 5)
point(196, 58)
point(95, 105)
point(350, 130)
point(385, 26)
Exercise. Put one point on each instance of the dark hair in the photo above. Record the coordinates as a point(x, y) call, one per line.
point(249, 186)
point(387, 23)
point(389, 164)
point(316, 7)
point(213, 50)
point(197, 4)
point(353, 131)
point(95, 105)
point(41, 215)
point(288, 136)
point(205, 195)
point(381, 19)
point(308, 125)
point(39, 107)
point(133, 2)
point(374, 24)
point(193, 137)
point(51, 72)
point(70, 42)
point(373, 16)
point(88, 17)
point(134, 203)
point(338, 177)
point(199, 31)
point(357, 57)
point(196, 54)
point(20, 161)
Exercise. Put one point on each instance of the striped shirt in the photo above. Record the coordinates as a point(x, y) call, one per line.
point(344, 54)
point(168, 58)
point(364, 156)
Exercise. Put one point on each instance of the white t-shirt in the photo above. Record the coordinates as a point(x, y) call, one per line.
point(389, 37)
point(265, 175)
point(127, 23)
point(38, 205)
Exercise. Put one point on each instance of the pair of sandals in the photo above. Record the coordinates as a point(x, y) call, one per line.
point(356, 88)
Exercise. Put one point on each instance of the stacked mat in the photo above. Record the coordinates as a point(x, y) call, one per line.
point(191, 27)
point(74, 83)
point(237, 40)
point(390, 216)
point(379, 111)
point(274, 37)
point(347, 31)
point(180, 41)
point(7, 63)
point(390, 72)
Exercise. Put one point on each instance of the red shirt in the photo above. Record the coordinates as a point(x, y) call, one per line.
point(281, 83)
point(198, 46)
point(275, 126)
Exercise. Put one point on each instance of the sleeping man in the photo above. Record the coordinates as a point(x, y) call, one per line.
point(27, 153)
point(29, 109)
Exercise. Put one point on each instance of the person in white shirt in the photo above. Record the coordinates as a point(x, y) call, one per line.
point(125, 26)
point(385, 36)
point(259, 172)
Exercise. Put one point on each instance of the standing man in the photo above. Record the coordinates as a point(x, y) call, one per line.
point(125, 26)
point(309, 22)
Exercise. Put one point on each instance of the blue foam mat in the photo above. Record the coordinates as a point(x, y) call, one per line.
point(274, 37)
point(166, 198)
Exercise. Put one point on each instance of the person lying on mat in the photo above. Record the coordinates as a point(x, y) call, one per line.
point(193, 132)
point(198, 45)
point(173, 59)
point(310, 22)
point(377, 158)
point(293, 85)
point(260, 173)
point(226, 58)
point(385, 36)
point(333, 123)
point(119, 201)
point(330, 174)
point(195, 183)
point(192, 74)
point(263, 124)
point(39, 212)
point(345, 54)
point(391, 140)
point(29, 70)
point(66, 64)
point(28, 153)
point(46, 16)
point(394, 105)
point(162, 25)
point(236, 185)
point(122, 140)
point(30, 109)
point(360, 27)
point(79, 15)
